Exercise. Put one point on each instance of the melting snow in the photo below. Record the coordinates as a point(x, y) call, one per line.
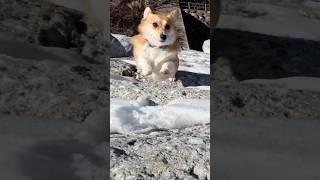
point(134, 116)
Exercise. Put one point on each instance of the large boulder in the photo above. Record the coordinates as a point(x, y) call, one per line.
point(120, 46)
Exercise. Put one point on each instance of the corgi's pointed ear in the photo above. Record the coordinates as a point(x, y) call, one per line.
point(146, 12)
point(173, 15)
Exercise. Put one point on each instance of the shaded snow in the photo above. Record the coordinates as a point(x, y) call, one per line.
point(128, 116)
point(21, 50)
point(276, 20)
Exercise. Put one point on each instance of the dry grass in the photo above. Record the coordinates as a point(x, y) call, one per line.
point(125, 16)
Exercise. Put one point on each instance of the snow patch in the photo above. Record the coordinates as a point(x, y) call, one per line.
point(138, 116)
point(207, 88)
point(194, 61)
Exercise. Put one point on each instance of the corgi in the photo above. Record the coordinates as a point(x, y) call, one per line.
point(156, 47)
point(96, 10)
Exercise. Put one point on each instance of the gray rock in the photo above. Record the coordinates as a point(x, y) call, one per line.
point(120, 46)
point(263, 101)
point(45, 24)
point(201, 171)
point(223, 73)
point(206, 46)
point(161, 154)
point(145, 101)
point(194, 140)
point(203, 16)
point(46, 87)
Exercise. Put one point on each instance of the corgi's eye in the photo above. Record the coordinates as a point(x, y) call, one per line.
point(167, 27)
point(155, 25)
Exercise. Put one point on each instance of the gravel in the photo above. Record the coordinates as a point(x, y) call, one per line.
point(169, 154)
point(51, 89)
point(203, 16)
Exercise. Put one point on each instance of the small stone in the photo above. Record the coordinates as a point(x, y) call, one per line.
point(206, 46)
point(194, 140)
point(200, 171)
point(129, 70)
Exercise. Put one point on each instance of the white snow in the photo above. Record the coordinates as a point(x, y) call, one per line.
point(137, 116)
point(279, 21)
point(194, 61)
point(207, 88)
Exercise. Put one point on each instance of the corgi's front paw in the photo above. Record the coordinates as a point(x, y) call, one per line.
point(164, 71)
point(172, 79)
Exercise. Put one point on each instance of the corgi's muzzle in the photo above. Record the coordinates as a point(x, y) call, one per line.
point(163, 37)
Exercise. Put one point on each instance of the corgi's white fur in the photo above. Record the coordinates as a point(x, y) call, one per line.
point(156, 48)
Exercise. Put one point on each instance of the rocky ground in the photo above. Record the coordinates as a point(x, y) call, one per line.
point(52, 62)
point(52, 92)
point(160, 154)
point(50, 66)
point(126, 86)
point(44, 24)
point(270, 121)
point(232, 97)
point(203, 16)
point(163, 154)
point(168, 154)
point(51, 89)
point(244, 51)
point(229, 99)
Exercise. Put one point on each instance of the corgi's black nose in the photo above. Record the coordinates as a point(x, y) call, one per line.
point(163, 37)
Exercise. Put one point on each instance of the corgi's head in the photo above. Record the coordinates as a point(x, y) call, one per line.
point(159, 30)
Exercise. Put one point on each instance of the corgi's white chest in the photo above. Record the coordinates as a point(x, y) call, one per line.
point(157, 56)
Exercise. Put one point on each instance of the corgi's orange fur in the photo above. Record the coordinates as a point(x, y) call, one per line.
point(155, 48)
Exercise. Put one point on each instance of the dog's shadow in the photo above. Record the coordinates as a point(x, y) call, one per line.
point(193, 79)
